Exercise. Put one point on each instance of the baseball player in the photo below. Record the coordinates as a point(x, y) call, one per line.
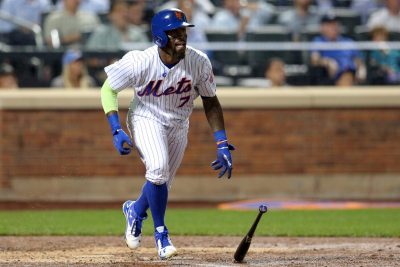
point(167, 78)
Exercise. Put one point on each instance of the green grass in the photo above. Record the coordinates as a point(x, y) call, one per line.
point(357, 223)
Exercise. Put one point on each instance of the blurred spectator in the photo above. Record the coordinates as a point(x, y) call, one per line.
point(326, 6)
point(240, 18)
point(74, 73)
point(364, 8)
point(230, 17)
point(275, 72)
point(136, 12)
point(299, 17)
point(388, 17)
point(92, 6)
point(386, 60)
point(198, 18)
point(111, 36)
point(206, 6)
point(196, 14)
point(345, 67)
point(69, 26)
point(8, 80)
point(28, 10)
point(259, 13)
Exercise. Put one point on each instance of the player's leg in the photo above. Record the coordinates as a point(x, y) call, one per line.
point(149, 140)
point(141, 204)
point(177, 140)
point(135, 213)
point(133, 228)
point(152, 144)
point(158, 197)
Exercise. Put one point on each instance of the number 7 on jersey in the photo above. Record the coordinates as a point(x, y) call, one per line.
point(184, 100)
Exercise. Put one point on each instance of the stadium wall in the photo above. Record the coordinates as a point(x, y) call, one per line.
point(291, 143)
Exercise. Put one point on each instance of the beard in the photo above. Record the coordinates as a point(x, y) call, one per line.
point(180, 54)
point(175, 53)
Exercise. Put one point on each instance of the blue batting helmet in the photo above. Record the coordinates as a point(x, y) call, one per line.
point(165, 20)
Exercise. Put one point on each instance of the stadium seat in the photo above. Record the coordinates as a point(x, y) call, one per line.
point(271, 33)
point(394, 36)
point(223, 35)
point(224, 81)
point(274, 18)
point(231, 63)
point(297, 74)
point(361, 33)
point(308, 33)
point(281, 3)
point(103, 18)
point(254, 82)
point(342, 3)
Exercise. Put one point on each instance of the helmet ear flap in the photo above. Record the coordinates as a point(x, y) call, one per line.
point(161, 39)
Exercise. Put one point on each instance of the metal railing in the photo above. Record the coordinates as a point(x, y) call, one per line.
point(279, 46)
point(35, 28)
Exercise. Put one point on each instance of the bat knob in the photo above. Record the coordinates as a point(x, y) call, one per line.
point(263, 208)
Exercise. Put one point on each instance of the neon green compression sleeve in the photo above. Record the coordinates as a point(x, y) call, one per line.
point(109, 98)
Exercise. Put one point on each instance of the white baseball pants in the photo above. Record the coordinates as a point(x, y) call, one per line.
point(160, 147)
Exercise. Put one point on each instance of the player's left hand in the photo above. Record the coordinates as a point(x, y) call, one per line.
point(224, 159)
point(120, 138)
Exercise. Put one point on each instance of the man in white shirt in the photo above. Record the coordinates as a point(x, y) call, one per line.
point(388, 17)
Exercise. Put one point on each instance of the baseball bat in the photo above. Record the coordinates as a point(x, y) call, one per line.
point(244, 245)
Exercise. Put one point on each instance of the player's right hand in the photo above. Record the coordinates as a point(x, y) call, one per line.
point(120, 138)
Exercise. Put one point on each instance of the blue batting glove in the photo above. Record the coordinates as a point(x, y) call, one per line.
point(120, 138)
point(224, 158)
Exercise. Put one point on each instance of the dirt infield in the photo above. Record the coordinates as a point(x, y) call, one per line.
point(200, 251)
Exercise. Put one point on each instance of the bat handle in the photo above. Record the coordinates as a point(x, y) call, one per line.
point(262, 209)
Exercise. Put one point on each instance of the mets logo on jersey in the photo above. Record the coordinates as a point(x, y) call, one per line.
point(178, 15)
point(152, 88)
point(183, 86)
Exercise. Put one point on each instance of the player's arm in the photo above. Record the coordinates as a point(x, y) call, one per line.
point(109, 101)
point(215, 118)
point(214, 114)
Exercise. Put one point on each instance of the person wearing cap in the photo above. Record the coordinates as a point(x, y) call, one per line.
point(344, 66)
point(8, 80)
point(74, 73)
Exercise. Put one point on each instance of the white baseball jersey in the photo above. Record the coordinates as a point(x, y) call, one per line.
point(159, 113)
point(161, 93)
